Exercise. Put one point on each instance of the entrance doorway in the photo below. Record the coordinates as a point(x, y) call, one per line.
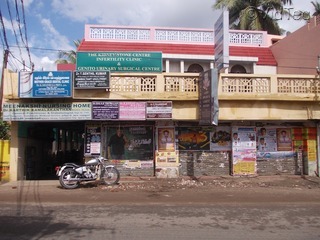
point(47, 145)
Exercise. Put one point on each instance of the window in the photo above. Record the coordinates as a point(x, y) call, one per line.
point(238, 69)
point(196, 68)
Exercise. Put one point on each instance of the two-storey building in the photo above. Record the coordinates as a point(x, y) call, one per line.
point(267, 121)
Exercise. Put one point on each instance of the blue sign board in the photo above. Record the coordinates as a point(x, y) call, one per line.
point(51, 84)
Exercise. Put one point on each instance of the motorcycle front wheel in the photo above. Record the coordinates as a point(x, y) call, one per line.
point(110, 175)
point(66, 181)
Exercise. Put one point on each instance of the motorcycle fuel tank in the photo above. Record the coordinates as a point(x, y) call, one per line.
point(92, 162)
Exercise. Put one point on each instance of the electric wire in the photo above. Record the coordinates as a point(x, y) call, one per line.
point(4, 32)
point(25, 33)
point(21, 62)
point(13, 28)
point(18, 21)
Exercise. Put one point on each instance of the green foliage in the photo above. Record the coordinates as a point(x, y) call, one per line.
point(68, 56)
point(316, 6)
point(4, 130)
point(254, 14)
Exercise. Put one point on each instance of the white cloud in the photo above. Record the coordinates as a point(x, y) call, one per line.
point(47, 64)
point(11, 26)
point(162, 13)
point(53, 37)
point(178, 13)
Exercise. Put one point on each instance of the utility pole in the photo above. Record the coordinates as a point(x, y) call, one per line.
point(4, 66)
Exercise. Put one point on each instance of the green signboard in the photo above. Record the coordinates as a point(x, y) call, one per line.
point(120, 61)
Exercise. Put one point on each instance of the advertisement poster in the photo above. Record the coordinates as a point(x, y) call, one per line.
point(194, 138)
point(266, 139)
point(244, 150)
point(132, 111)
point(220, 139)
point(284, 140)
point(166, 138)
point(139, 142)
point(167, 159)
point(92, 140)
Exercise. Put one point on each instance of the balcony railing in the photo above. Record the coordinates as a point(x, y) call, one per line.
point(173, 35)
point(184, 86)
point(273, 87)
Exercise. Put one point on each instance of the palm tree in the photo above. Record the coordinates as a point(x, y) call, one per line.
point(316, 6)
point(68, 56)
point(253, 14)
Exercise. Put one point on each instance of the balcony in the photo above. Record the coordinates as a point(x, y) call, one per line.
point(138, 86)
point(172, 35)
point(184, 86)
point(269, 87)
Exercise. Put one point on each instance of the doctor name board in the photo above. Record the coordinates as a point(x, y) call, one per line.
point(91, 79)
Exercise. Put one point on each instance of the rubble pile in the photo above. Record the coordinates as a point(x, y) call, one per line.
point(166, 185)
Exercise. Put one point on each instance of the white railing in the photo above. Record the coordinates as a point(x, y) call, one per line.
point(176, 35)
point(280, 87)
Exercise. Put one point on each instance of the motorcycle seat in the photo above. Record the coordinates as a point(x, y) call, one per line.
point(72, 165)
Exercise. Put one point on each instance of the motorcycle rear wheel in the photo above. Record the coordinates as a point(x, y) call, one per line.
point(65, 176)
point(110, 175)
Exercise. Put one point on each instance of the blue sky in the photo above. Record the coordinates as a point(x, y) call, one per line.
point(53, 25)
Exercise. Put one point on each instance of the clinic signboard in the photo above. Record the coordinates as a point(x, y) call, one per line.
point(91, 79)
point(120, 61)
point(45, 84)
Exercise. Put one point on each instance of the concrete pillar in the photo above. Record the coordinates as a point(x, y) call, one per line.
point(167, 65)
point(182, 66)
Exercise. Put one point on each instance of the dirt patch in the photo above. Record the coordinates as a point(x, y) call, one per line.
point(166, 185)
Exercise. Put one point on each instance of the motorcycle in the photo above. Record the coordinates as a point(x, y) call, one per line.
point(71, 175)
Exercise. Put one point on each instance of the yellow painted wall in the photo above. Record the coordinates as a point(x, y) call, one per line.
point(4, 160)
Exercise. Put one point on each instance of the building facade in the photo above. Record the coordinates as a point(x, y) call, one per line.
point(267, 122)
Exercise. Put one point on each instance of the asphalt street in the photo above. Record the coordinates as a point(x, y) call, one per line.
point(219, 208)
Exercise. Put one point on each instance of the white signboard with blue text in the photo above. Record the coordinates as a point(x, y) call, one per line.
point(45, 84)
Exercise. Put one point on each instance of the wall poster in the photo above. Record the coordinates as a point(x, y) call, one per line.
point(284, 140)
point(166, 139)
point(167, 159)
point(140, 143)
point(194, 138)
point(244, 150)
point(92, 140)
point(220, 139)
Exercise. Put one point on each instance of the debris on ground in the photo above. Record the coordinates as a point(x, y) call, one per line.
point(164, 185)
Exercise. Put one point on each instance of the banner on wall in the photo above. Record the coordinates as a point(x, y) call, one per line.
point(140, 143)
point(244, 150)
point(92, 140)
point(166, 139)
point(220, 139)
point(167, 159)
point(194, 138)
point(284, 139)
point(267, 139)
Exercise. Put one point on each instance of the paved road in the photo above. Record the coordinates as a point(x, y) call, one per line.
point(42, 210)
